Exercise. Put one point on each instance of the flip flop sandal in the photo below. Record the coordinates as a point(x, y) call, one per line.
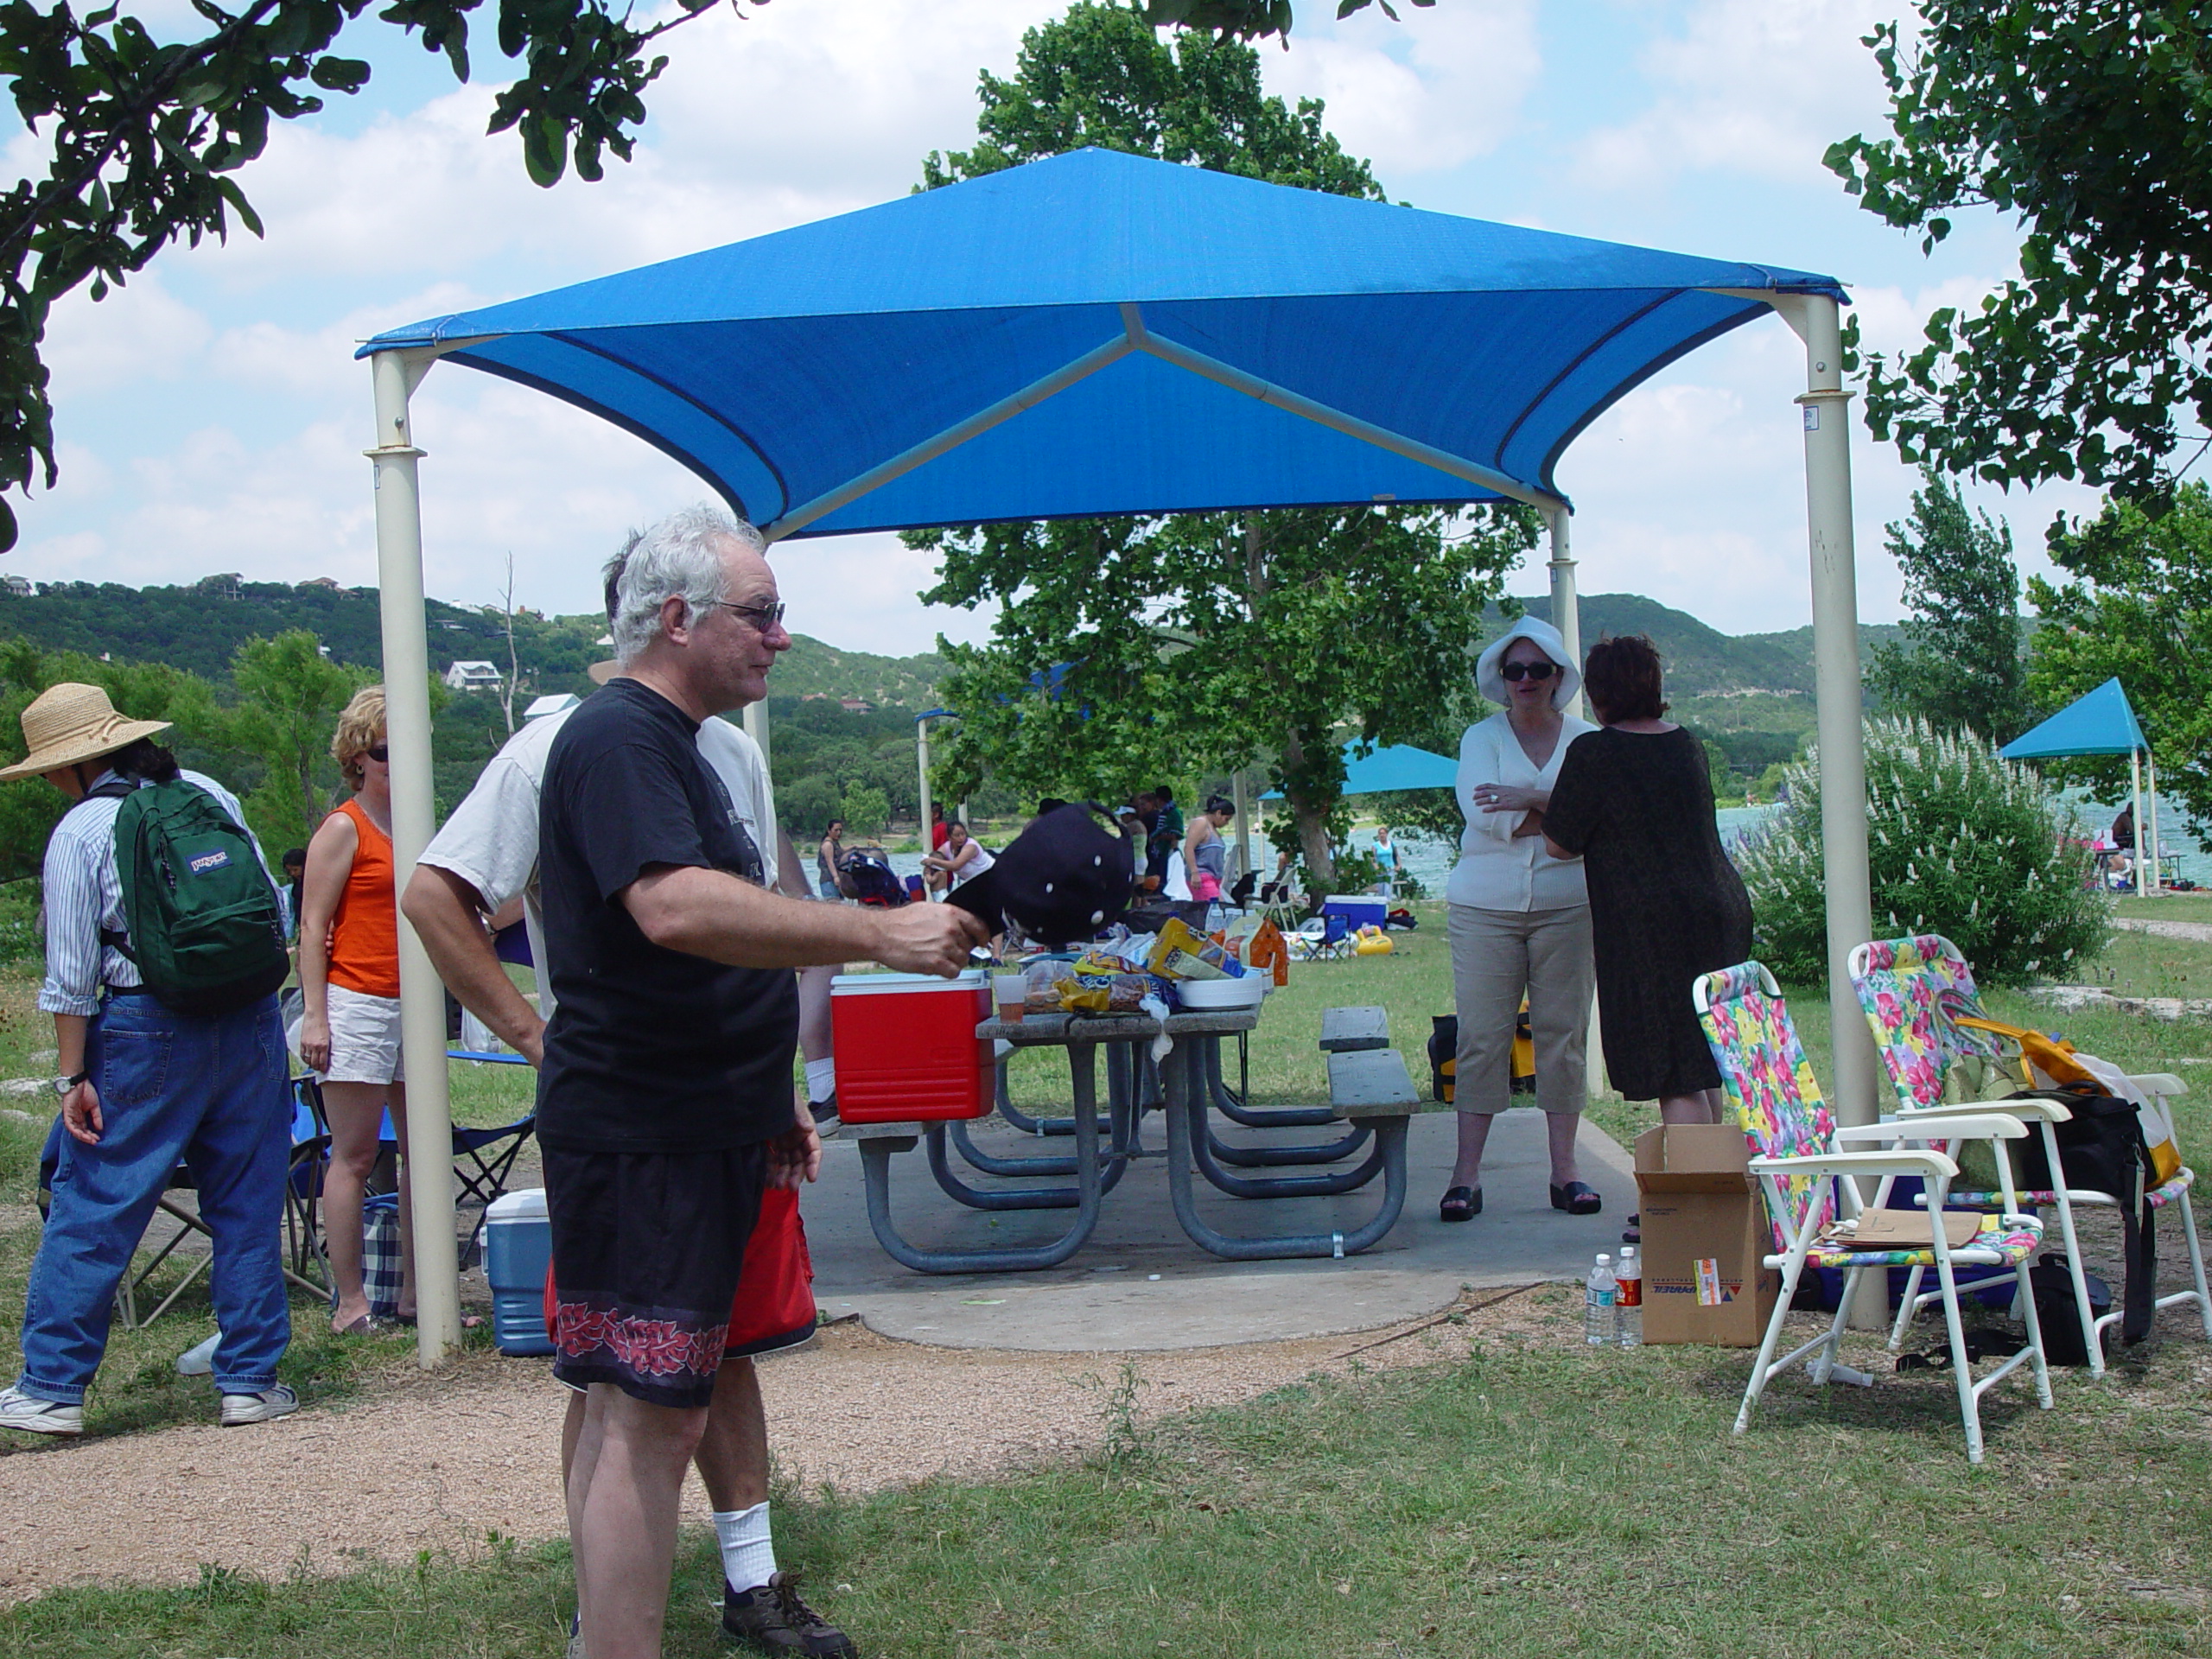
point(1460, 1204)
point(1577, 1198)
point(366, 1325)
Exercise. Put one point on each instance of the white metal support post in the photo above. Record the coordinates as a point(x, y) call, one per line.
point(2135, 791)
point(407, 714)
point(1827, 407)
point(922, 762)
point(756, 727)
point(2150, 803)
point(1566, 606)
point(1240, 797)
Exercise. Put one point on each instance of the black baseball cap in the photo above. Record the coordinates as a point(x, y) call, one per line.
point(1065, 878)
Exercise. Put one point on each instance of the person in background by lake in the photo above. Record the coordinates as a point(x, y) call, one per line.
point(1634, 801)
point(829, 862)
point(1206, 855)
point(349, 981)
point(963, 859)
point(1166, 835)
point(1519, 917)
point(1386, 855)
point(295, 866)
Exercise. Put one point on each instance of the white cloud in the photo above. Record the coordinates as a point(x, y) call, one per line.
point(1758, 86)
point(138, 333)
point(1420, 96)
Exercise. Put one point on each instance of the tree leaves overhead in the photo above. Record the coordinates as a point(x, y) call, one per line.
point(1960, 668)
point(2087, 120)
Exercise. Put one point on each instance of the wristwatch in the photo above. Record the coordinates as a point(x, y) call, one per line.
point(63, 1085)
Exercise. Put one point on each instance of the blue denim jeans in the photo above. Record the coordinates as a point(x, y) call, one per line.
point(209, 1094)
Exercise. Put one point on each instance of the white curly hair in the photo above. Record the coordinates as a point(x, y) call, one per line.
point(676, 558)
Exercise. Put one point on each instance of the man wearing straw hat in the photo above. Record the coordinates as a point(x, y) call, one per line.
point(143, 1087)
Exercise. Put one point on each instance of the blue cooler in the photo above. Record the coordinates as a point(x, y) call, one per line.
point(518, 1247)
point(1358, 909)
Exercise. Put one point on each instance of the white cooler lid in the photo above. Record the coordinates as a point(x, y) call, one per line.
point(971, 979)
point(528, 1204)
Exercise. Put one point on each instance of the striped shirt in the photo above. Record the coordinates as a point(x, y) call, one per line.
point(83, 898)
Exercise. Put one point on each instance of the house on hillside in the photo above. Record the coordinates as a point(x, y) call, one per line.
point(551, 703)
point(19, 586)
point(228, 585)
point(856, 705)
point(474, 677)
point(330, 583)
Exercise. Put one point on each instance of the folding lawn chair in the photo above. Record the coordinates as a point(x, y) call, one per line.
point(1809, 1171)
point(1910, 990)
point(483, 1159)
point(305, 1253)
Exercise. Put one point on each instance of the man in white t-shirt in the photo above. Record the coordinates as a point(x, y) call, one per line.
point(486, 856)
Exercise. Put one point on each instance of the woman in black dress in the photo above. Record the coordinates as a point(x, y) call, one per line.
point(1634, 801)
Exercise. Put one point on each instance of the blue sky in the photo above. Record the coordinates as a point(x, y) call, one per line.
point(212, 417)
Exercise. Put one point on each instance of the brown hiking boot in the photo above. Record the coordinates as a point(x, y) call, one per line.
point(771, 1618)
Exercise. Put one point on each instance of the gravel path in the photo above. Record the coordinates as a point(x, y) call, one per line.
point(418, 1462)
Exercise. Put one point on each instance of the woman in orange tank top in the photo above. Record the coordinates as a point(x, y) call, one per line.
point(349, 981)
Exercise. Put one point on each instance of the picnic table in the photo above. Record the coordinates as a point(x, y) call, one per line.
point(1185, 1086)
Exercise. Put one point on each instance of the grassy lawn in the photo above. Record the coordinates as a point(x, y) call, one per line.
point(1521, 1497)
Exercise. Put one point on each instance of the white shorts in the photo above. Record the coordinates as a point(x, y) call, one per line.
point(364, 1038)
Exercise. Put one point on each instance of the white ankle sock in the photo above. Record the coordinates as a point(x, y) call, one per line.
point(748, 1556)
point(821, 1080)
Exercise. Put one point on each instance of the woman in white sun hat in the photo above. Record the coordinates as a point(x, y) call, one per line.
point(149, 1081)
point(1519, 919)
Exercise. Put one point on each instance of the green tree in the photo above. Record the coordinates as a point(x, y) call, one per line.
point(867, 812)
point(289, 698)
point(30, 806)
point(2139, 605)
point(1959, 666)
point(142, 136)
point(2085, 119)
point(1125, 649)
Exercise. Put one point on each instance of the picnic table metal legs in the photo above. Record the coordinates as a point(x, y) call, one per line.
point(876, 1167)
point(1232, 1103)
point(1188, 1092)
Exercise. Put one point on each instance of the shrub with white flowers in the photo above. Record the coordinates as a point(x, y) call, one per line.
point(1960, 843)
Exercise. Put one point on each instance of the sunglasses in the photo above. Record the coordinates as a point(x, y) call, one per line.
point(762, 617)
point(1518, 671)
point(378, 751)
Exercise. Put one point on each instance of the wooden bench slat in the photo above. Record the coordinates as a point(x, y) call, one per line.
point(1349, 1030)
point(1371, 1083)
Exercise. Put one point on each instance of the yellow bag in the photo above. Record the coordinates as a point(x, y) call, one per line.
point(2061, 1062)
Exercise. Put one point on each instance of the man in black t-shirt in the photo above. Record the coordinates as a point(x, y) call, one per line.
point(665, 1103)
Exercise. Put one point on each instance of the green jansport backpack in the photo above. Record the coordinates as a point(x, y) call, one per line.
point(206, 928)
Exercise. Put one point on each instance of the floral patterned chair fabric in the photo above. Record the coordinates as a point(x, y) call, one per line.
point(1767, 1078)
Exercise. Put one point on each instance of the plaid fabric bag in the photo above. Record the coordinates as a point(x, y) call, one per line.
point(380, 1259)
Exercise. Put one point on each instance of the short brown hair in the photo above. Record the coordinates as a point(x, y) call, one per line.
point(1622, 676)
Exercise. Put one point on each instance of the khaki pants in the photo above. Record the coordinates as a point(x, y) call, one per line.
point(1499, 955)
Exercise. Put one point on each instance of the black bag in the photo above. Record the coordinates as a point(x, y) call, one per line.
point(2057, 1314)
point(1443, 1057)
point(2101, 1149)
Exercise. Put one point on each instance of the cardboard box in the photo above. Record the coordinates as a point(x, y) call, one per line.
point(1705, 1236)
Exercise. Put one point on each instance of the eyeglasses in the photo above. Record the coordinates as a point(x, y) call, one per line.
point(1519, 672)
point(378, 751)
point(762, 617)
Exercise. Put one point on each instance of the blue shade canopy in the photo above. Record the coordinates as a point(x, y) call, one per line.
point(1395, 766)
point(1102, 333)
point(2098, 722)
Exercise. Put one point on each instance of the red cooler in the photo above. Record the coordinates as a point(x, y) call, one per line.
point(907, 1048)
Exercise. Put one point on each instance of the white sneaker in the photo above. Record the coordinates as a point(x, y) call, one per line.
point(240, 1409)
point(19, 1410)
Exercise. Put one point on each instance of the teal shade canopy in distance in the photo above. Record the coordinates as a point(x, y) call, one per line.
point(1101, 334)
point(2097, 723)
point(1396, 766)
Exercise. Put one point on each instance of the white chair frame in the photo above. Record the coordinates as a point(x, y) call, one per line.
point(2157, 1088)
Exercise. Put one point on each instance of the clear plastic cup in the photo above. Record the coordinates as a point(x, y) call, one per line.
point(1010, 992)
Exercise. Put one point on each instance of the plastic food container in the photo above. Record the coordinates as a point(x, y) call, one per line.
point(518, 1247)
point(1214, 994)
point(906, 1049)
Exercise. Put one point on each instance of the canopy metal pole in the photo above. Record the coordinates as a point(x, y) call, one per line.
point(2135, 788)
point(1566, 606)
point(1240, 798)
point(2151, 759)
point(407, 714)
point(1816, 319)
point(756, 727)
point(922, 762)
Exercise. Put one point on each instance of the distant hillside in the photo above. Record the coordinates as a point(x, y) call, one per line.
point(810, 668)
point(1701, 661)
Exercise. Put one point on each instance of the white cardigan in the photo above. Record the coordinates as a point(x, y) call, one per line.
point(1495, 871)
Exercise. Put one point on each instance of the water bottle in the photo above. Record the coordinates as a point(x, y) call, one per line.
point(1598, 1310)
point(1628, 1304)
